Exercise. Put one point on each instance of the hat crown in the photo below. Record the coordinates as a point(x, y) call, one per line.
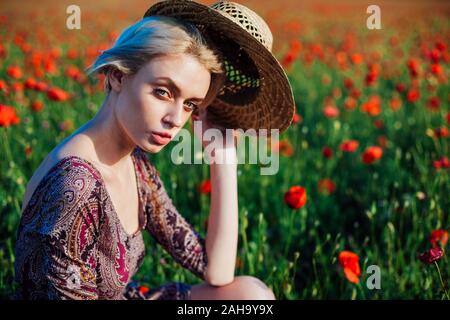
point(248, 20)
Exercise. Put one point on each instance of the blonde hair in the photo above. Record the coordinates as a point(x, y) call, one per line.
point(156, 35)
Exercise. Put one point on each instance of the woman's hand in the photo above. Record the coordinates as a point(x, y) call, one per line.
point(201, 115)
point(223, 150)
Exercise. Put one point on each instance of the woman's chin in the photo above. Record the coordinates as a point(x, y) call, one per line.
point(151, 147)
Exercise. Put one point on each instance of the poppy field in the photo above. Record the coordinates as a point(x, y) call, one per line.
point(360, 206)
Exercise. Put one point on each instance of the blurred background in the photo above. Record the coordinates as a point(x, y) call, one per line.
point(364, 168)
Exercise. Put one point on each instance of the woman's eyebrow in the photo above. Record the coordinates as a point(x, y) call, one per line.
point(174, 86)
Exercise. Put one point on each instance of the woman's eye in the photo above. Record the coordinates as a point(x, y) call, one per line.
point(164, 93)
point(193, 106)
point(160, 92)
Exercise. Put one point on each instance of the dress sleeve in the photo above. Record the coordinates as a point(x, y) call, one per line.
point(171, 230)
point(57, 237)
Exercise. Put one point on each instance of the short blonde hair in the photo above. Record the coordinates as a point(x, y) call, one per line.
point(156, 35)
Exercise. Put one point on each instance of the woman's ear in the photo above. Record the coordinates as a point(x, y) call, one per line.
point(116, 78)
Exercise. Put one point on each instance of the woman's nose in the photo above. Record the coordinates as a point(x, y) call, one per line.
point(175, 115)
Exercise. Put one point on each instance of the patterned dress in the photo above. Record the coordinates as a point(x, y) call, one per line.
point(72, 245)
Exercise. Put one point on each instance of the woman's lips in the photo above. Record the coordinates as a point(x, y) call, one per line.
point(158, 139)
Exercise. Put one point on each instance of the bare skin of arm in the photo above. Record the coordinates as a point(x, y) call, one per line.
point(222, 234)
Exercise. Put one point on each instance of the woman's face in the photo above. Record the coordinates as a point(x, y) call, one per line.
point(160, 97)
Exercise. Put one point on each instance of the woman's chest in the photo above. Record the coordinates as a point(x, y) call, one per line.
point(119, 257)
point(124, 195)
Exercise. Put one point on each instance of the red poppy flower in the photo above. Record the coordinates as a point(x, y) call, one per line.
point(37, 105)
point(205, 186)
point(372, 74)
point(50, 66)
point(441, 163)
point(26, 47)
point(14, 72)
point(66, 125)
point(30, 83)
point(357, 58)
point(355, 93)
point(350, 263)
point(400, 87)
point(3, 52)
point(297, 118)
point(72, 54)
point(17, 87)
point(413, 95)
point(350, 103)
point(55, 52)
point(327, 152)
point(292, 54)
point(433, 103)
point(36, 59)
point(289, 58)
point(378, 123)
point(57, 94)
point(439, 238)
point(382, 141)
point(432, 255)
point(73, 72)
point(441, 46)
point(372, 154)
point(28, 151)
point(435, 55)
point(39, 72)
point(349, 145)
point(441, 132)
point(330, 111)
point(371, 78)
point(284, 147)
point(326, 186)
point(3, 86)
point(341, 58)
point(395, 104)
point(436, 69)
point(372, 106)
point(348, 83)
point(413, 66)
point(295, 197)
point(143, 289)
point(40, 86)
point(8, 116)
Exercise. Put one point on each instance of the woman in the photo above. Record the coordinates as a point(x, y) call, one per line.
point(80, 235)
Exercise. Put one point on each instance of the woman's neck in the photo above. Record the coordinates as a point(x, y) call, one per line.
point(111, 143)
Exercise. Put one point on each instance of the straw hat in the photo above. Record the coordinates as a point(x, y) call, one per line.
point(256, 93)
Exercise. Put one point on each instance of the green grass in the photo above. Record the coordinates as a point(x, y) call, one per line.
point(374, 212)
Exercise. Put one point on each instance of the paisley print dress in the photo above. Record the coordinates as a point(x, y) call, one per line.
point(72, 245)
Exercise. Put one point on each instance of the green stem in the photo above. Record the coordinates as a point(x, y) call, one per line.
point(291, 227)
point(442, 282)
point(362, 291)
point(6, 145)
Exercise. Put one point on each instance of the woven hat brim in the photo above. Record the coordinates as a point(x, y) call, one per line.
point(274, 106)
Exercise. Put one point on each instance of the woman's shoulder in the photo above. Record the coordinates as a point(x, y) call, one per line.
point(64, 178)
point(66, 164)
